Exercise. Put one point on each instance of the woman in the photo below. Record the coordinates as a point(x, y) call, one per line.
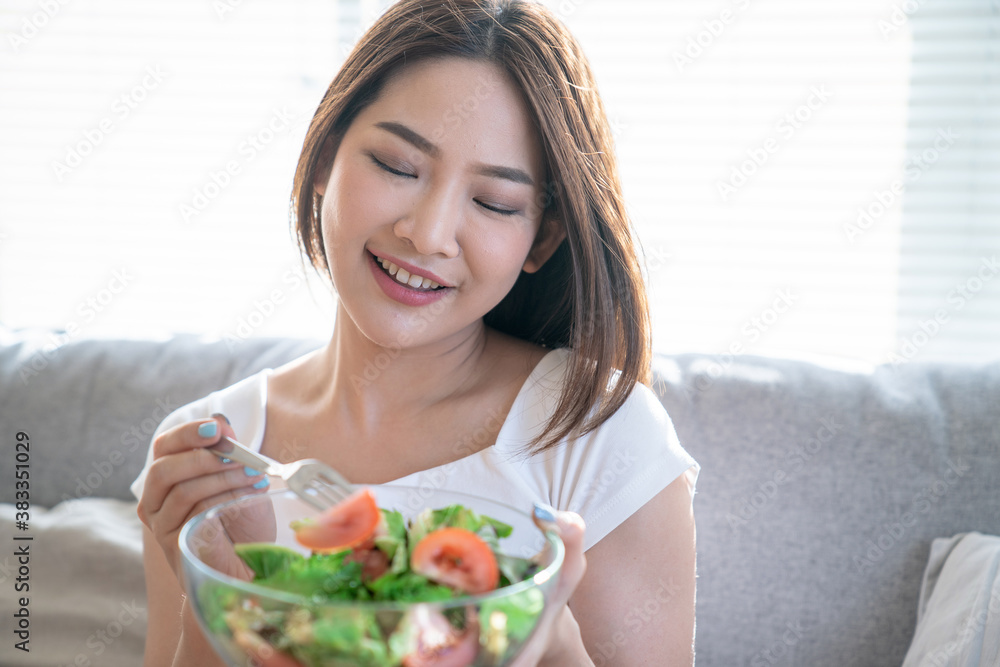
point(458, 187)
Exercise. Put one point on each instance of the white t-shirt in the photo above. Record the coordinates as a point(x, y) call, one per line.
point(605, 476)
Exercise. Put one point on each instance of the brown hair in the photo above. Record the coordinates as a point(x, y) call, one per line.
point(589, 296)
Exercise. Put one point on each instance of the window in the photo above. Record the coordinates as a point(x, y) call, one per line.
point(807, 178)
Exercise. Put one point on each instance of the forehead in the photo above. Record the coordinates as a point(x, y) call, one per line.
point(469, 108)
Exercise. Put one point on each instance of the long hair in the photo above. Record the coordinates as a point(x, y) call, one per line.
point(589, 296)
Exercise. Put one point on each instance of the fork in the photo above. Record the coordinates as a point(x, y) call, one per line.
point(313, 481)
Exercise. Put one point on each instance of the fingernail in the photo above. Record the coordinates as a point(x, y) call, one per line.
point(225, 460)
point(208, 429)
point(219, 414)
point(262, 484)
point(250, 471)
point(545, 513)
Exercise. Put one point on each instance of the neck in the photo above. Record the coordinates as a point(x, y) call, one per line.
point(365, 381)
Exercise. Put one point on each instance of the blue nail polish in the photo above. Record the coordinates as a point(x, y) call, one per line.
point(208, 429)
point(545, 513)
point(250, 471)
point(262, 483)
point(225, 460)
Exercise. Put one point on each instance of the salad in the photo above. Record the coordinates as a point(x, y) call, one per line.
point(363, 554)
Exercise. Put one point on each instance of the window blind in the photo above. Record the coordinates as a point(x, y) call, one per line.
point(763, 144)
point(807, 178)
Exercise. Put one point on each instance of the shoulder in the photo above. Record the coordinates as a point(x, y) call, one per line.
point(641, 414)
point(241, 403)
point(607, 474)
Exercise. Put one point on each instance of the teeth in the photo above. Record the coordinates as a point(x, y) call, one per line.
point(405, 277)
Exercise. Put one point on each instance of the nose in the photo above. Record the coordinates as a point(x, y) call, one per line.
point(433, 223)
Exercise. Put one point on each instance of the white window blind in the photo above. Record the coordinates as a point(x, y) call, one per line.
point(147, 163)
point(751, 133)
point(806, 177)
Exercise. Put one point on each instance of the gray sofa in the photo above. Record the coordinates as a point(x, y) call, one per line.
point(820, 493)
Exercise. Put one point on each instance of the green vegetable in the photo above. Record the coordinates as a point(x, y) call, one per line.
point(319, 635)
point(266, 559)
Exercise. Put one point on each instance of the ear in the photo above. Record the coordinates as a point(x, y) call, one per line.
point(324, 164)
point(550, 234)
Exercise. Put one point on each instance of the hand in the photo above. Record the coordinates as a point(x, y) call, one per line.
point(557, 640)
point(184, 480)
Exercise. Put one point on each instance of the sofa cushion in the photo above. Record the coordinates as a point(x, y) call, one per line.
point(820, 493)
point(90, 406)
point(86, 601)
point(958, 621)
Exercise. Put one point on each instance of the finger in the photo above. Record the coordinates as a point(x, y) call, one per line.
point(190, 435)
point(227, 428)
point(192, 496)
point(571, 529)
point(168, 471)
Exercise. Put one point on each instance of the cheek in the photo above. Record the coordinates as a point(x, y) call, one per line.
point(501, 253)
point(356, 203)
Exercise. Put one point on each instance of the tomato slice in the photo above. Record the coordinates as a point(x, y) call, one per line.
point(374, 562)
point(458, 558)
point(347, 524)
point(436, 643)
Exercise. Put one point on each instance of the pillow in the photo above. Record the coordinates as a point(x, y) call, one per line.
point(82, 582)
point(958, 618)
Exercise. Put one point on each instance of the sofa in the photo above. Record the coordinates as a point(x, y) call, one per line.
point(829, 497)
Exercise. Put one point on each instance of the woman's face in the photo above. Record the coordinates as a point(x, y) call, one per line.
point(431, 208)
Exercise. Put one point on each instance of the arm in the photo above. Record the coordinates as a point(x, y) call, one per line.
point(182, 481)
point(172, 636)
point(636, 603)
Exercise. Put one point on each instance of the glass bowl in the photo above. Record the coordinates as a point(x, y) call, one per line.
point(478, 630)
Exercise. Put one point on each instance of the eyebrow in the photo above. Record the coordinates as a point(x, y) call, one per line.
point(425, 146)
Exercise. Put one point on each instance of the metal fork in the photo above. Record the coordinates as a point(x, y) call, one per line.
point(313, 481)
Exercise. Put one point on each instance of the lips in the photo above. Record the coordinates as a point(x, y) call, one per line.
point(396, 279)
point(406, 277)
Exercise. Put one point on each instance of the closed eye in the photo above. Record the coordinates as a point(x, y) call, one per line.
point(383, 166)
point(501, 211)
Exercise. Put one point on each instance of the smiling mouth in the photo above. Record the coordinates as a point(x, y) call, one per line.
point(404, 277)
